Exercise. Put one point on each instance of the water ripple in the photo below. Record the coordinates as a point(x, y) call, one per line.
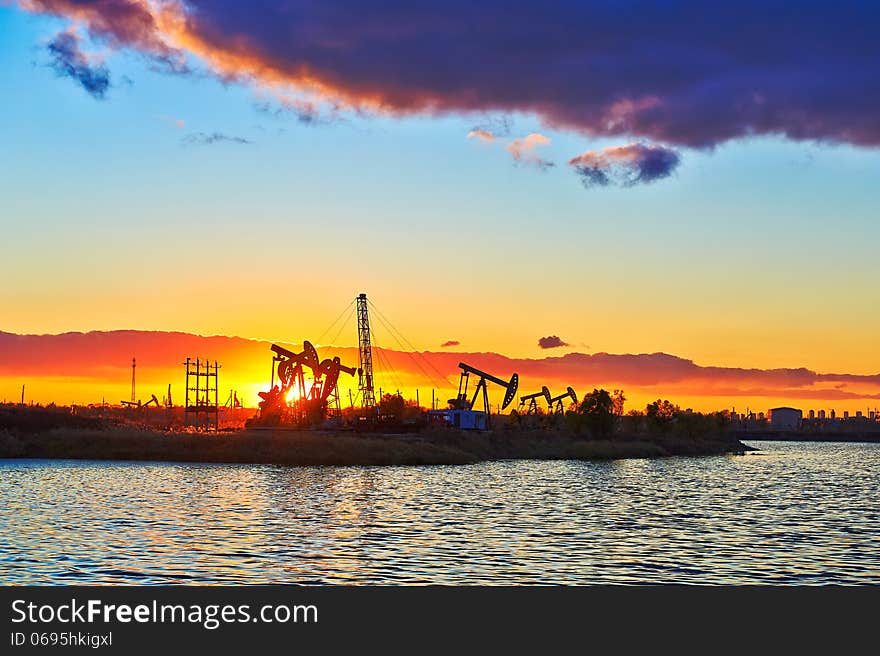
point(794, 513)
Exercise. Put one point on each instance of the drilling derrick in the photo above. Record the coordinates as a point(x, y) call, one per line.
point(365, 354)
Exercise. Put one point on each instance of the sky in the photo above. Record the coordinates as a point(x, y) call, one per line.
point(629, 177)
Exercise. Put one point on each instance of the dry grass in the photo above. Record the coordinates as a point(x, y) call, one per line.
point(342, 448)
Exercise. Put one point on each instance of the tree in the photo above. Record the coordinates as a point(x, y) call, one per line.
point(660, 415)
point(722, 420)
point(596, 413)
point(617, 401)
point(392, 405)
point(396, 408)
point(632, 422)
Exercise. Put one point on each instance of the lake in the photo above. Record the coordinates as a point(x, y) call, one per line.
point(793, 512)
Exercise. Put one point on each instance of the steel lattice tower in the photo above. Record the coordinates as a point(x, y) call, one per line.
point(365, 354)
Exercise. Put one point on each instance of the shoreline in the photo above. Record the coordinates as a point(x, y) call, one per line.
point(337, 448)
point(795, 436)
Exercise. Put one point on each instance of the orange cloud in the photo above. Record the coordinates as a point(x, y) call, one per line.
point(482, 135)
point(84, 367)
point(523, 149)
point(122, 23)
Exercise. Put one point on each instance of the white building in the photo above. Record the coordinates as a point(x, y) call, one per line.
point(786, 418)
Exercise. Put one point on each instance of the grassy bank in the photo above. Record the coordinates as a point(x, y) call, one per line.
point(341, 448)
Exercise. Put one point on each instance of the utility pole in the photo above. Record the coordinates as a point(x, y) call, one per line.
point(22, 394)
point(133, 365)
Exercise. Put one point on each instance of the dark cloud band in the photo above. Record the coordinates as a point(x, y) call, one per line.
point(689, 73)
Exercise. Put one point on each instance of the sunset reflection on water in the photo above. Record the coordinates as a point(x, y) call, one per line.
point(792, 513)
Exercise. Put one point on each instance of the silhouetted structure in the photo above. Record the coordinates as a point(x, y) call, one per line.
point(558, 400)
point(461, 413)
point(533, 401)
point(365, 355)
point(202, 409)
point(788, 418)
point(291, 402)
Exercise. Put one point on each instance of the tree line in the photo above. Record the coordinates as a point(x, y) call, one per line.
point(600, 414)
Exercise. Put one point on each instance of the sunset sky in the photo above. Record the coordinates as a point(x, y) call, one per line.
point(630, 177)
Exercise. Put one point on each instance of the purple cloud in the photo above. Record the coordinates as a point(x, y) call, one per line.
point(627, 166)
point(686, 73)
point(68, 60)
point(551, 341)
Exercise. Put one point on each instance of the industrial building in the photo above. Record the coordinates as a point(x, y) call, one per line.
point(786, 418)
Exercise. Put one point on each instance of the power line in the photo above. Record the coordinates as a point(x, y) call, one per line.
point(392, 329)
point(387, 367)
point(421, 355)
point(385, 362)
point(330, 327)
point(409, 355)
point(342, 327)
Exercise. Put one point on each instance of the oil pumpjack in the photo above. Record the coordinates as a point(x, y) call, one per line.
point(461, 413)
point(326, 388)
point(559, 409)
point(291, 402)
point(533, 401)
point(137, 405)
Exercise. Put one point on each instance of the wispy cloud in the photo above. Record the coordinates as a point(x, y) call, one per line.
point(69, 60)
point(178, 123)
point(523, 150)
point(482, 135)
point(627, 166)
point(491, 128)
point(206, 139)
point(305, 111)
point(499, 125)
point(451, 342)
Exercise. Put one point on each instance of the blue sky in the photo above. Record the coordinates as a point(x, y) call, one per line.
point(761, 251)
